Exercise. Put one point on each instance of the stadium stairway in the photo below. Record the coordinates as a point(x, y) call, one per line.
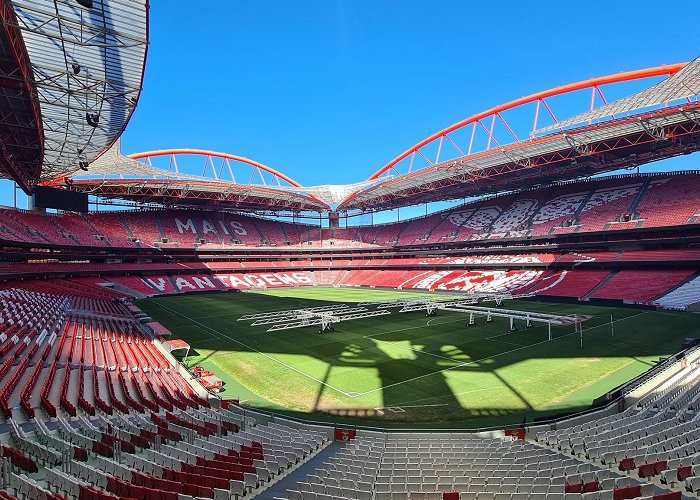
point(286, 236)
point(358, 235)
point(602, 282)
point(171, 279)
point(278, 489)
point(161, 229)
point(430, 232)
point(128, 229)
point(640, 195)
point(576, 216)
point(125, 289)
point(257, 230)
point(398, 235)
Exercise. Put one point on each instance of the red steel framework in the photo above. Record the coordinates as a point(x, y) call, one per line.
point(209, 157)
point(22, 81)
point(440, 179)
point(221, 189)
point(204, 194)
point(573, 158)
point(500, 165)
point(494, 113)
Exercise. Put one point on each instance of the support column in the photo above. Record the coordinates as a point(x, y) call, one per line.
point(512, 325)
point(31, 204)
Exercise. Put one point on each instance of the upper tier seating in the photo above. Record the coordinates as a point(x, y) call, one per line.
point(145, 226)
point(558, 209)
point(111, 227)
point(610, 200)
point(622, 202)
point(417, 231)
point(670, 201)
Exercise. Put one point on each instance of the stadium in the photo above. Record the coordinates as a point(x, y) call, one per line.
point(189, 323)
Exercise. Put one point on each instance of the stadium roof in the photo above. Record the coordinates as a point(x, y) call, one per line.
point(77, 74)
point(683, 84)
point(580, 152)
point(134, 177)
point(663, 129)
point(115, 175)
point(71, 74)
point(668, 126)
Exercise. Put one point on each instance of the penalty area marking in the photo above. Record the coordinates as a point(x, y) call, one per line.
point(492, 338)
point(353, 395)
point(467, 363)
point(402, 409)
point(373, 337)
point(220, 334)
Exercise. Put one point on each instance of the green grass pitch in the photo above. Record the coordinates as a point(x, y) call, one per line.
point(409, 370)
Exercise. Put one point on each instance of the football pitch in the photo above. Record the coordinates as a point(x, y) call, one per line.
point(406, 369)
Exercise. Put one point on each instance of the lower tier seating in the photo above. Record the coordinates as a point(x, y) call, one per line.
point(94, 408)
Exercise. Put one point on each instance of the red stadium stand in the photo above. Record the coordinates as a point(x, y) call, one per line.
point(111, 227)
point(613, 204)
point(570, 283)
point(670, 201)
point(641, 285)
point(144, 226)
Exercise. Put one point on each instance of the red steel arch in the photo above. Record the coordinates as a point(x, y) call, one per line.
point(591, 83)
point(213, 154)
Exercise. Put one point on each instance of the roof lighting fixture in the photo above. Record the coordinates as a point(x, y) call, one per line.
point(93, 119)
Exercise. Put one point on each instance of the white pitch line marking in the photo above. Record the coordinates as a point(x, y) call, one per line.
point(409, 406)
point(471, 391)
point(467, 363)
point(409, 348)
point(372, 337)
point(261, 353)
point(492, 339)
point(353, 394)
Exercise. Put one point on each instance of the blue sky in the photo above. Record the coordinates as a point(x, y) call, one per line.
point(329, 91)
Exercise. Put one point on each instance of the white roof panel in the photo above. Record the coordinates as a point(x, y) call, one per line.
point(85, 62)
point(683, 84)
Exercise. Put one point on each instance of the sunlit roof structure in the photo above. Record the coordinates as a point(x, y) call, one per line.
point(79, 68)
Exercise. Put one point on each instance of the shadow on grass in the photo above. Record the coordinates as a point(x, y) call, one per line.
point(418, 352)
